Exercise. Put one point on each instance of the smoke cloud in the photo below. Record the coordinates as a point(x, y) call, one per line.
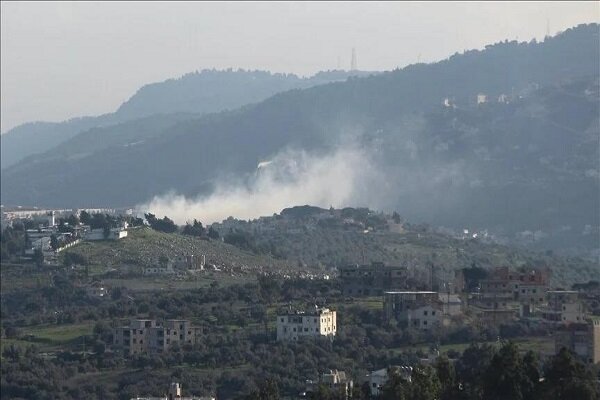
point(341, 178)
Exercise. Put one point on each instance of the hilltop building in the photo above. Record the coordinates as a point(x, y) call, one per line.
point(146, 336)
point(293, 325)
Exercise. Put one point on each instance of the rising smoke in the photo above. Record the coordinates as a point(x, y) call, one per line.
point(344, 177)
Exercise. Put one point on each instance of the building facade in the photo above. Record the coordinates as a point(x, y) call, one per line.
point(320, 322)
point(582, 338)
point(372, 280)
point(146, 336)
point(416, 309)
point(564, 306)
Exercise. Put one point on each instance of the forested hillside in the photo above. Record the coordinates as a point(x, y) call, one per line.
point(197, 93)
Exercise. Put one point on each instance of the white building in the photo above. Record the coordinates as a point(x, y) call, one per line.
point(113, 234)
point(320, 322)
point(421, 310)
point(481, 98)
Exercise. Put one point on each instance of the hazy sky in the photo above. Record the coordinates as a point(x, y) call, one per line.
point(61, 60)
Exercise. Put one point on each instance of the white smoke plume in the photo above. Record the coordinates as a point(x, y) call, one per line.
point(289, 179)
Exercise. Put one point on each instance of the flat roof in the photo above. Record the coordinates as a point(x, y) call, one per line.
point(562, 291)
point(409, 292)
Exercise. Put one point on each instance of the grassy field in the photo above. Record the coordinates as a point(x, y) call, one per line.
point(201, 281)
point(57, 337)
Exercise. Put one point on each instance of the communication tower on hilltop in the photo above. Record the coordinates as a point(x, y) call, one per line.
point(353, 62)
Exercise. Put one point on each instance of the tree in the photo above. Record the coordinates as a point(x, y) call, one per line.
point(196, 229)
point(213, 233)
point(85, 217)
point(162, 225)
point(396, 387)
point(447, 377)
point(566, 378)
point(470, 368)
point(505, 378)
point(425, 384)
point(54, 242)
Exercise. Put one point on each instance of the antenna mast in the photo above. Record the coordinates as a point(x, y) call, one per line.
point(353, 62)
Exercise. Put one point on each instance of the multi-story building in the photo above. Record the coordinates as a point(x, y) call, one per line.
point(320, 322)
point(146, 336)
point(581, 338)
point(564, 306)
point(372, 280)
point(421, 310)
point(521, 291)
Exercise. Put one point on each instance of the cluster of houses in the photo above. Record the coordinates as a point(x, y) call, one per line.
point(505, 296)
point(40, 239)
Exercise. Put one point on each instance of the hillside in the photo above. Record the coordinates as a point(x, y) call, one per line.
point(199, 93)
point(314, 236)
point(524, 167)
point(143, 248)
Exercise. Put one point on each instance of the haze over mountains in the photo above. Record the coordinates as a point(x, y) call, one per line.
point(196, 93)
point(524, 163)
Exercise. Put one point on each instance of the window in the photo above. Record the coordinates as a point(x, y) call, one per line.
point(433, 313)
point(134, 340)
point(281, 319)
point(424, 322)
point(181, 336)
point(168, 341)
point(305, 329)
point(424, 312)
point(141, 342)
point(141, 332)
point(315, 321)
point(294, 329)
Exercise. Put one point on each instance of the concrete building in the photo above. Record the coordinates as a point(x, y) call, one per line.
point(513, 290)
point(336, 381)
point(146, 336)
point(564, 306)
point(372, 280)
point(112, 234)
point(420, 310)
point(377, 379)
point(451, 303)
point(320, 322)
point(481, 98)
point(581, 338)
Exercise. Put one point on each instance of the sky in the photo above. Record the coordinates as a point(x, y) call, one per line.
point(67, 59)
